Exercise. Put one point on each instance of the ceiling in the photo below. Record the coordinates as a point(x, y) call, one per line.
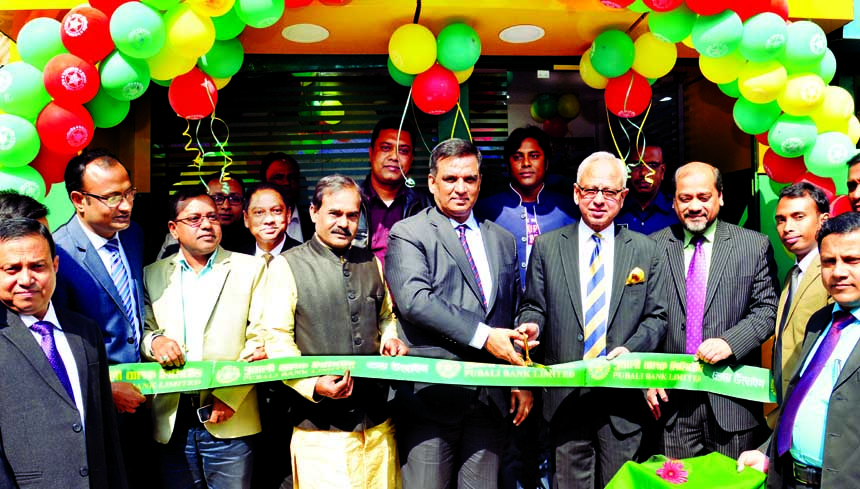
point(364, 26)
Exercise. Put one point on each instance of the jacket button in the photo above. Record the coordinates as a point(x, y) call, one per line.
point(357, 341)
point(351, 296)
point(77, 428)
point(579, 337)
point(130, 341)
point(523, 264)
point(354, 318)
point(346, 273)
point(523, 239)
point(84, 471)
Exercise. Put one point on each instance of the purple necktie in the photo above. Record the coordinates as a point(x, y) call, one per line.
point(816, 365)
point(461, 229)
point(697, 287)
point(46, 331)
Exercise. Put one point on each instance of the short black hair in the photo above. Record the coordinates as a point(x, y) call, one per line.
point(20, 227)
point(453, 148)
point(183, 194)
point(520, 134)
point(13, 204)
point(394, 123)
point(218, 175)
point(845, 223)
point(331, 184)
point(74, 174)
point(853, 160)
point(273, 157)
point(806, 189)
point(260, 187)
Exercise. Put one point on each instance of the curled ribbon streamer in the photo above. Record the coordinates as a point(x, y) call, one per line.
point(639, 137)
point(460, 114)
point(198, 159)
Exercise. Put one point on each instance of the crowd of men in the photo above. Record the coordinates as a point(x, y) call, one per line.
point(382, 268)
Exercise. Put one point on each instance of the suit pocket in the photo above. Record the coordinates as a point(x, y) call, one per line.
point(28, 478)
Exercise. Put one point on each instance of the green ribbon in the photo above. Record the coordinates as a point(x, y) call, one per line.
point(630, 371)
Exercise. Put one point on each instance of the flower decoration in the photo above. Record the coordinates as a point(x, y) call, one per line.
point(637, 276)
point(673, 472)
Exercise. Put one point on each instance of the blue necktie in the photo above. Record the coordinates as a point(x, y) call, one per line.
point(120, 278)
point(461, 229)
point(49, 346)
point(596, 307)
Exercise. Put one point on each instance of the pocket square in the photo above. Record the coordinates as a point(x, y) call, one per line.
point(637, 276)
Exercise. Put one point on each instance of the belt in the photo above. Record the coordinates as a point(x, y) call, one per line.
point(190, 398)
point(806, 474)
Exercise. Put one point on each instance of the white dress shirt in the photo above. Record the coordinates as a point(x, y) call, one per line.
point(275, 251)
point(479, 256)
point(607, 257)
point(294, 227)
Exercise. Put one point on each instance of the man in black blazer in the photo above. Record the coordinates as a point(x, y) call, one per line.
point(57, 416)
point(736, 299)
point(594, 431)
point(820, 444)
point(459, 305)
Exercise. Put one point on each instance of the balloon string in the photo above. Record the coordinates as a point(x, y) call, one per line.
point(417, 126)
point(406, 180)
point(227, 160)
point(417, 11)
point(649, 177)
point(465, 122)
point(198, 158)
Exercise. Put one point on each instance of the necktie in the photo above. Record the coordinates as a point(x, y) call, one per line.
point(461, 229)
point(268, 257)
point(596, 307)
point(790, 285)
point(121, 280)
point(816, 365)
point(696, 290)
point(46, 331)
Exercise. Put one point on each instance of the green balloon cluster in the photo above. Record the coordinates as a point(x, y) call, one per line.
point(223, 60)
point(674, 25)
point(764, 37)
point(124, 78)
point(39, 41)
point(458, 47)
point(612, 53)
point(790, 136)
point(717, 35)
point(22, 91)
point(137, 30)
point(754, 118)
point(19, 141)
point(228, 26)
point(106, 110)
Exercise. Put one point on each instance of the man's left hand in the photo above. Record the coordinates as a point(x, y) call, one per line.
point(220, 411)
point(394, 347)
point(521, 402)
point(713, 350)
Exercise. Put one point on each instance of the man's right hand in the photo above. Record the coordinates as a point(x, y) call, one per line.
point(754, 459)
point(334, 386)
point(653, 397)
point(126, 396)
point(499, 344)
point(167, 352)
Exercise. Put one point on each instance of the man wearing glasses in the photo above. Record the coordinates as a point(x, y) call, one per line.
point(102, 277)
point(647, 210)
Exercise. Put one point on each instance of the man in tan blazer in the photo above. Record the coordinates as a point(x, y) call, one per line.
point(801, 210)
point(204, 303)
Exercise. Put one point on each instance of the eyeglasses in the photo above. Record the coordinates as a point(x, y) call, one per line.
point(195, 220)
point(114, 200)
point(608, 194)
point(232, 198)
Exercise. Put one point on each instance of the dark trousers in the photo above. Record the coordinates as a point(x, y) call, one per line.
point(135, 437)
point(272, 467)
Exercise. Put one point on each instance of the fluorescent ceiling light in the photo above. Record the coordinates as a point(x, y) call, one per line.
point(665, 99)
point(305, 33)
point(520, 34)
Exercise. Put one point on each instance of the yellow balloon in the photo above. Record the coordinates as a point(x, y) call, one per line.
point(688, 41)
point(412, 48)
point(464, 75)
point(762, 82)
point(167, 64)
point(188, 32)
point(221, 82)
point(589, 75)
point(835, 111)
point(653, 57)
point(211, 8)
point(724, 69)
point(854, 129)
point(802, 94)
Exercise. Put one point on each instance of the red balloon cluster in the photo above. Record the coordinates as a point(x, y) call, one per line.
point(840, 205)
point(436, 90)
point(86, 34)
point(65, 129)
point(71, 80)
point(781, 169)
point(193, 95)
point(663, 5)
point(627, 95)
point(51, 165)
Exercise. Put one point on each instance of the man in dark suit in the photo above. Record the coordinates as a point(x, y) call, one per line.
point(456, 285)
point(102, 278)
point(721, 307)
point(266, 215)
point(815, 440)
point(592, 289)
point(57, 416)
point(283, 170)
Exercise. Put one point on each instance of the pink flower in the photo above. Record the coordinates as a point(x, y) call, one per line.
point(673, 471)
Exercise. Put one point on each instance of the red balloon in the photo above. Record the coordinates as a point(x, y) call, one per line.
point(86, 33)
point(335, 2)
point(628, 95)
point(783, 170)
point(825, 184)
point(663, 5)
point(780, 8)
point(193, 95)
point(436, 91)
point(762, 138)
point(70, 80)
point(108, 6)
point(617, 3)
point(707, 7)
point(65, 130)
point(555, 127)
point(297, 3)
point(840, 205)
point(51, 166)
point(748, 8)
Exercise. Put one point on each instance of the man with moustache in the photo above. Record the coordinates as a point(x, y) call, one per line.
point(647, 210)
point(801, 210)
point(283, 170)
point(721, 307)
point(456, 287)
point(338, 304)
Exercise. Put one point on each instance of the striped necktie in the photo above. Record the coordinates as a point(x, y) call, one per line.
point(49, 347)
point(596, 309)
point(121, 279)
point(461, 231)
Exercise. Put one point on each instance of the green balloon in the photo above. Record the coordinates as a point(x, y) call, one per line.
point(612, 53)
point(546, 105)
point(19, 141)
point(806, 45)
point(223, 60)
point(106, 110)
point(458, 47)
point(123, 77)
point(259, 13)
point(638, 6)
point(22, 91)
point(59, 205)
point(39, 41)
point(791, 135)
point(825, 68)
point(398, 76)
point(23, 179)
point(672, 26)
point(137, 30)
point(717, 35)
point(228, 25)
point(827, 156)
point(161, 4)
point(163, 83)
point(754, 118)
point(764, 37)
point(731, 88)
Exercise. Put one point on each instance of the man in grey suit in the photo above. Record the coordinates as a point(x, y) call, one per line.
point(57, 416)
point(593, 288)
point(456, 287)
point(721, 307)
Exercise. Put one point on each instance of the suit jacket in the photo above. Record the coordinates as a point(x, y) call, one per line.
point(740, 307)
point(841, 464)
point(637, 316)
point(43, 441)
point(233, 330)
point(84, 285)
point(436, 294)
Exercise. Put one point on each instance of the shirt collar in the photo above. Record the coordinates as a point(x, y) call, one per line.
point(520, 197)
point(836, 307)
point(371, 194)
point(709, 234)
point(185, 267)
point(50, 316)
point(275, 251)
point(803, 265)
point(586, 231)
point(294, 214)
point(471, 222)
point(97, 241)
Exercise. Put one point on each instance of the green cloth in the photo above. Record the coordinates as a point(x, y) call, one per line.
point(708, 471)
